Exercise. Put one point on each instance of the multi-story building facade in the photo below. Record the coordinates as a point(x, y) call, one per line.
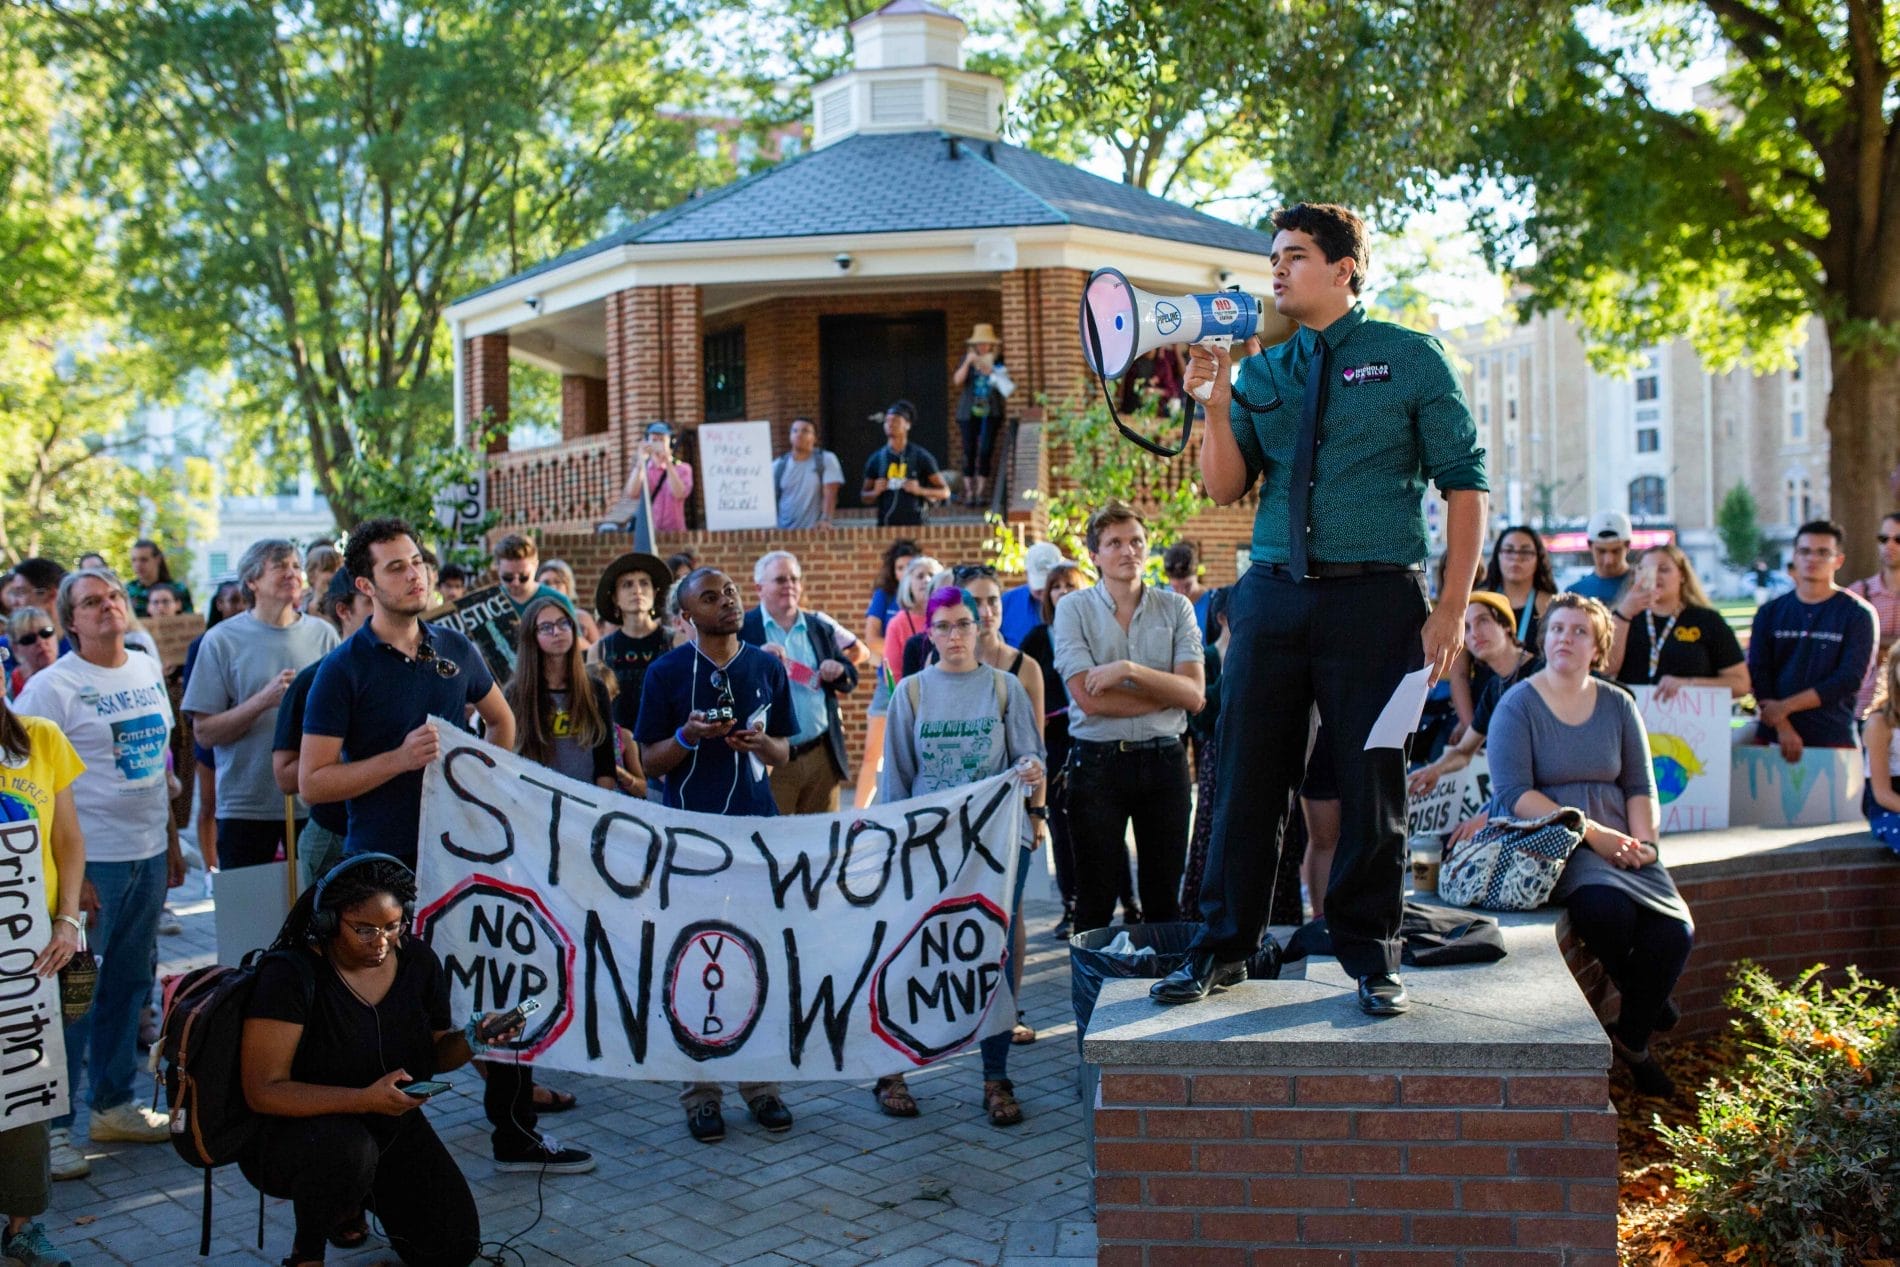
point(1664, 444)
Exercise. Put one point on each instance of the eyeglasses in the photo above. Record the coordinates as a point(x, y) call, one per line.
point(369, 934)
point(425, 654)
point(32, 636)
point(547, 629)
point(516, 578)
point(1814, 552)
point(952, 629)
point(1518, 552)
point(971, 571)
point(1884, 539)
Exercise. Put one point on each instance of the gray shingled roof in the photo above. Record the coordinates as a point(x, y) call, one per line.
point(909, 181)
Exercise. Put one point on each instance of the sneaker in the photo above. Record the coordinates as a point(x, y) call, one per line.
point(68, 1162)
point(129, 1123)
point(770, 1112)
point(31, 1248)
point(707, 1123)
point(549, 1156)
point(168, 923)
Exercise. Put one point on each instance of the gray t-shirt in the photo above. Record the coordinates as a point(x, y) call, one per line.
point(953, 736)
point(236, 659)
point(1162, 634)
point(801, 487)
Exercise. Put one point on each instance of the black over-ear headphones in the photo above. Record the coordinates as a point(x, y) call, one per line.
point(325, 924)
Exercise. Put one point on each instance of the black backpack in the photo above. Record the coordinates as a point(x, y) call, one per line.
point(197, 1059)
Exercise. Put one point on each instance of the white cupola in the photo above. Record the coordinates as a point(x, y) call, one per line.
point(907, 76)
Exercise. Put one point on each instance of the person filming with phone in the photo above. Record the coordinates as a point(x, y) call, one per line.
point(348, 1022)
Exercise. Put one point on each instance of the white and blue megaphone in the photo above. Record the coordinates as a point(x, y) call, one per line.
point(1121, 322)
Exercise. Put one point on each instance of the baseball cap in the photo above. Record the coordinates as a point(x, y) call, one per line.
point(1040, 559)
point(1608, 524)
point(659, 429)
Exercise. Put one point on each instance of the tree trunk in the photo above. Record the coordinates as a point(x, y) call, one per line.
point(1863, 425)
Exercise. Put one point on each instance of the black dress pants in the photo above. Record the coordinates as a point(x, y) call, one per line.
point(395, 1167)
point(1342, 644)
point(508, 1103)
point(1109, 789)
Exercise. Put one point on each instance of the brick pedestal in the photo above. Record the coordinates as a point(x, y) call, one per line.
point(1276, 1125)
point(1289, 1167)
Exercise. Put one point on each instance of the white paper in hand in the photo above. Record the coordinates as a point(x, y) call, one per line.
point(1400, 716)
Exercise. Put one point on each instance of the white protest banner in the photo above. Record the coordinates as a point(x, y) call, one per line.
point(1451, 801)
point(32, 1029)
point(672, 945)
point(1688, 748)
point(735, 468)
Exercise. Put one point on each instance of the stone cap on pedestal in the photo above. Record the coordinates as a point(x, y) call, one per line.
point(1522, 1012)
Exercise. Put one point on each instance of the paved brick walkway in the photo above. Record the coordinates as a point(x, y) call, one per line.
point(847, 1185)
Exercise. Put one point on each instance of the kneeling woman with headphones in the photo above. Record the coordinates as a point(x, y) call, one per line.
point(351, 1011)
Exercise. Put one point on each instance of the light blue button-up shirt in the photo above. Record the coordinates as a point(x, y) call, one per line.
point(807, 701)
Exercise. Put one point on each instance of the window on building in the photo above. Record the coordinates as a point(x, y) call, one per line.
point(1484, 367)
point(1800, 367)
point(1510, 409)
point(220, 564)
point(706, 142)
point(1797, 424)
point(724, 356)
point(1648, 440)
point(1648, 387)
point(1649, 496)
point(791, 145)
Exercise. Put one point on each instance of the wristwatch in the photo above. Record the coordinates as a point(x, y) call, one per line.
point(1040, 812)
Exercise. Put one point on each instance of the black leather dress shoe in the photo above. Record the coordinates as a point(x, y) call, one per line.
point(1383, 994)
point(1199, 977)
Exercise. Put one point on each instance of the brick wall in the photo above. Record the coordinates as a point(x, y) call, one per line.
point(1294, 1168)
point(840, 567)
point(1785, 915)
point(485, 382)
point(583, 406)
point(782, 372)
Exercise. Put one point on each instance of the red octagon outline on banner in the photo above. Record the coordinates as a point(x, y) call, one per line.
point(898, 1045)
point(568, 954)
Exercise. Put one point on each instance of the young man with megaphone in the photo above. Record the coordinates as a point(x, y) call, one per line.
point(1342, 424)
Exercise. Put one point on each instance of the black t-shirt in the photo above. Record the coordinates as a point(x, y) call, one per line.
point(345, 1043)
point(894, 505)
point(1493, 690)
point(627, 658)
point(331, 815)
point(1700, 645)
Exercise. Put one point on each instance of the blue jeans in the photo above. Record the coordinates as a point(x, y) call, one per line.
point(124, 934)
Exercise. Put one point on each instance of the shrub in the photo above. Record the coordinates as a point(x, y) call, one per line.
point(1798, 1156)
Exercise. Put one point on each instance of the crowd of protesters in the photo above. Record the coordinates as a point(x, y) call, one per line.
point(315, 679)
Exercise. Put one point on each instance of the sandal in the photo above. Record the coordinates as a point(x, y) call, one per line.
point(894, 1097)
point(556, 1101)
point(1022, 1035)
point(350, 1232)
point(999, 1101)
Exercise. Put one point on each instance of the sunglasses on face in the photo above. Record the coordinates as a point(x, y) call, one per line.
point(32, 636)
point(516, 578)
point(1884, 539)
point(971, 571)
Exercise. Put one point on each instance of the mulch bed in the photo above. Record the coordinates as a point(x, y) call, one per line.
point(1655, 1227)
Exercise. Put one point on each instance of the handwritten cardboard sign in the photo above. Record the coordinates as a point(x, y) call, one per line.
point(32, 1033)
point(735, 469)
point(674, 945)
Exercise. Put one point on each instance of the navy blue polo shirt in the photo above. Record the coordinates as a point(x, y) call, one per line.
point(716, 778)
point(370, 695)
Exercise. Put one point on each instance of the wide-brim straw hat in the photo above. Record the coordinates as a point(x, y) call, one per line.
point(984, 333)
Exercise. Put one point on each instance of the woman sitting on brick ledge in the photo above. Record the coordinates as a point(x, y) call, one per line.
point(1882, 737)
point(1563, 739)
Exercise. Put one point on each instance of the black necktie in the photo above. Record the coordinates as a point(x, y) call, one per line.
point(1300, 494)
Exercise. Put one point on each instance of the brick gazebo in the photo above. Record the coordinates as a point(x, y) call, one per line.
point(829, 284)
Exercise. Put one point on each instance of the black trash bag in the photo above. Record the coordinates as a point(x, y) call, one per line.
point(1090, 965)
point(1431, 936)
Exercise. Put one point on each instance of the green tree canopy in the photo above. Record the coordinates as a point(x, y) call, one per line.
point(301, 188)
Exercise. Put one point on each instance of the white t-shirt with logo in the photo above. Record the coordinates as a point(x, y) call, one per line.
point(120, 722)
